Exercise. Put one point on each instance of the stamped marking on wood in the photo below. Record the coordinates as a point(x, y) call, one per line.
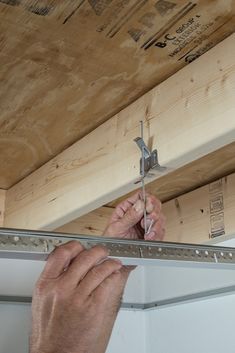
point(216, 209)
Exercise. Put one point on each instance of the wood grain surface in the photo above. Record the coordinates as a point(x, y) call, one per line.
point(184, 123)
point(199, 216)
point(2, 206)
point(198, 173)
point(68, 66)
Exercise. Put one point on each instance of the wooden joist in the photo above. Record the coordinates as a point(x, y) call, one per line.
point(186, 117)
point(196, 217)
point(92, 223)
point(67, 66)
point(200, 172)
point(203, 214)
point(2, 206)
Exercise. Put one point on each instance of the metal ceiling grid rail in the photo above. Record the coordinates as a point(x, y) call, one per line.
point(37, 245)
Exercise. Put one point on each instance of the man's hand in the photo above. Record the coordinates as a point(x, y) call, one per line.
point(77, 297)
point(76, 301)
point(127, 219)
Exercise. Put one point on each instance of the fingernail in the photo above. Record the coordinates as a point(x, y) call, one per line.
point(139, 206)
point(151, 235)
point(149, 222)
point(149, 206)
point(118, 261)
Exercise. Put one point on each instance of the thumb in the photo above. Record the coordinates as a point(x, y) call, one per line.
point(133, 215)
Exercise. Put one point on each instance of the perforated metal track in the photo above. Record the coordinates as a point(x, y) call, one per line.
point(29, 244)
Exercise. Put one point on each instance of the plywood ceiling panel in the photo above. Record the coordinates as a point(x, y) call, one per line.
point(67, 66)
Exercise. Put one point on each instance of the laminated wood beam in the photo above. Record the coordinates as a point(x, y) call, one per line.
point(207, 213)
point(203, 214)
point(200, 172)
point(186, 117)
point(2, 206)
point(92, 223)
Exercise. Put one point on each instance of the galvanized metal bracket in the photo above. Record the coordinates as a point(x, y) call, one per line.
point(149, 160)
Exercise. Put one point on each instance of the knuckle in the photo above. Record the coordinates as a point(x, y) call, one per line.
point(106, 268)
point(109, 282)
point(93, 255)
point(112, 265)
point(75, 243)
point(61, 252)
point(65, 250)
point(117, 276)
point(87, 257)
point(99, 251)
point(115, 279)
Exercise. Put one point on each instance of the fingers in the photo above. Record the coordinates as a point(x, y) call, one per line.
point(111, 289)
point(60, 259)
point(97, 275)
point(133, 215)
point(84, 262)
point(157, 230)
point(153, 204)
point(125, 216)
point(125, 205)
point(129, 214)
point(155, 219)
point(153, 216)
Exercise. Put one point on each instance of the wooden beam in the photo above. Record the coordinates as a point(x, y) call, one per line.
point(2, 206)
point(92, 223)
point(186, 117)
point(56, 87)
point(201, 172)
point(203, 214)
point(196, 217)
